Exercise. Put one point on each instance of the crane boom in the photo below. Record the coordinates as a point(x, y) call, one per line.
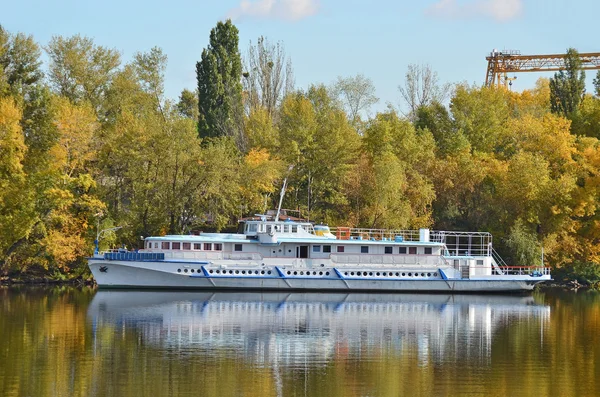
point(502, 62)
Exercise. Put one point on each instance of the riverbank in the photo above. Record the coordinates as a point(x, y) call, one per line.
point(46, 281)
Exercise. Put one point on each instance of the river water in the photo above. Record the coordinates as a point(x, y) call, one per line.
point(73, 342)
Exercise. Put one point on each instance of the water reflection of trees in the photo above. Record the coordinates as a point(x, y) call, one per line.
point(53, 345)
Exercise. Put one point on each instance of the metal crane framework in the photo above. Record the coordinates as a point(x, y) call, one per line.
point(500, 63)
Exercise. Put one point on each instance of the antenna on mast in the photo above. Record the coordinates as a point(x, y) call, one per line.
point(282, 193)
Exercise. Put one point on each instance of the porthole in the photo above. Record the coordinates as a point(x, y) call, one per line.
point(295, 273)
point(314, 273)
point(345, 273)
point(370, 273)
point(210, 271)
point(302, 273)
point(231, 272)
point(269, 272)
point(435, 274)
point(327, 273)
point(422, 274)
point(352, 273)
point(243, 272)
point(428, 274)
point(200, 270)
point(262, 272)
point(409, 274)
point(289, 272)
point(377, 274)
point(403, 274)
point(237, 272)
point(192, 270)
point(185, 270)
point(178, 270)
point(256, 272)
point(320, 273)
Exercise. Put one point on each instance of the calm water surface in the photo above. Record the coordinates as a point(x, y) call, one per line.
point(69, 342)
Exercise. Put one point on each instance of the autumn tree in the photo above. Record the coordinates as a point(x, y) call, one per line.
point(268, 76)
point(17, 214)
point(422, 87)
point(219, 75)
point(357, 94)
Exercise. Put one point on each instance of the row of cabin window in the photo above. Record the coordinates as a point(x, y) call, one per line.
point(364, 249)
point(187, 246)
point(253, 227)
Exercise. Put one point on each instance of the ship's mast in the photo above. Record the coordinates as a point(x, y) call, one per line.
point(282, 194)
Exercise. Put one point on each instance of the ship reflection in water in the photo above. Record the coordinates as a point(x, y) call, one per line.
point(290, 330)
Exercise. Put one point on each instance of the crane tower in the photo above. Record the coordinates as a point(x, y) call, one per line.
point(500, 63)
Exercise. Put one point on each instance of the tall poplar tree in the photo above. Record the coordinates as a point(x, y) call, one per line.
point(219, 86)
point(567, 87)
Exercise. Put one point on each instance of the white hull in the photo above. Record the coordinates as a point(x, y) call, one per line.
point(164, 274)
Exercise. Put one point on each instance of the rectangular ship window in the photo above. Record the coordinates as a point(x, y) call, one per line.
point(340, 248)
point(402, 250)
point(198, 246)
point(364, 249)
point(479, 262)
point(187, 246)
point(218, 247)
point(427, 250)
point(156, 245)
point(327, 248)
point(388, 250)
point(316, 248)
point(412, 250)
point(165, 245)
point(237, 247)
point(207, 246)
point(176, 246)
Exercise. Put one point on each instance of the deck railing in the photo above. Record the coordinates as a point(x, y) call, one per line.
point(457, 243)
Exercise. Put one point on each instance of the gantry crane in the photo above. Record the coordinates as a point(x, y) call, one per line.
point(500, 63)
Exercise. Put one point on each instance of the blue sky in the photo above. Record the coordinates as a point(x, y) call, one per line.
point(327, 38)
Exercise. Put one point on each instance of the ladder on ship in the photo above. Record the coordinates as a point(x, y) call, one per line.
point(498, 263)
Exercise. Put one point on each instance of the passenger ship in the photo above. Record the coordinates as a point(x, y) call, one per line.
point(273, 254)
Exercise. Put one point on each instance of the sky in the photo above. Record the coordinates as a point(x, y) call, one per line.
point(326, 38)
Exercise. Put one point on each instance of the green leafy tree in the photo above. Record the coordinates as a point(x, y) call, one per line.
point(317, 139)
point(187, 106)
point(81, 70)
point(567, 87)
point(481, 115)
point(219, 75)
point(20, 61)
point(597, 84)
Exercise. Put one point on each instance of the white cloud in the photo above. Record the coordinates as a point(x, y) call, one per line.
point(291, 10)
point(500, 10)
